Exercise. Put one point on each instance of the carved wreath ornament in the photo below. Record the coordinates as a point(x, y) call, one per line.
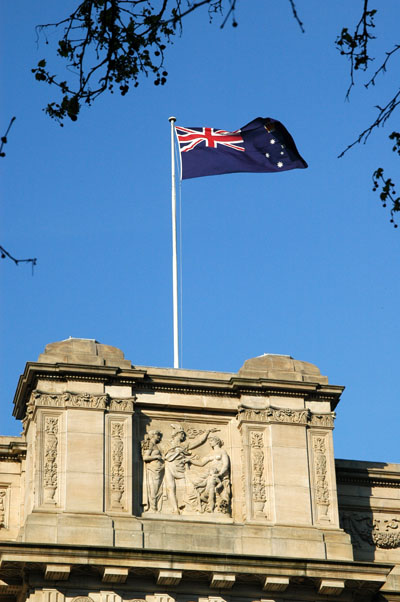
point(383, 533)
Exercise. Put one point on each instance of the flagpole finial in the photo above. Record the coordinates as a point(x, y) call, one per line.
point(171, 119)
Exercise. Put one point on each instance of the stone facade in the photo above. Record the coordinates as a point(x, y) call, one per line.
point(145, 484)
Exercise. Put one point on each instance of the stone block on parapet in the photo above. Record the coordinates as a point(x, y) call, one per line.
point(114, 574)
point(40, 527)
point(83, 352)
point(85, 529)
point(292, 505)
point(281, 367)
point(57, 572)
point(338, 545)
point(222, 581)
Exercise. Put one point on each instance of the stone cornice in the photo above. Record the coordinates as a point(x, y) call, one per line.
point(180, 381)
point(369, 574)
point(366, 474)
point(13, 451)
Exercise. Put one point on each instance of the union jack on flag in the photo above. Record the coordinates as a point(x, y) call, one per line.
point(190, 138)
point(263, 145)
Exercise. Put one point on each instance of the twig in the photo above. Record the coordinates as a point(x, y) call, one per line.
point(4, 253)
point(296, 16)
point(4, 138)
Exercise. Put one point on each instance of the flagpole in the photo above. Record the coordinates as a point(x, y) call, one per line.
point(174, 253)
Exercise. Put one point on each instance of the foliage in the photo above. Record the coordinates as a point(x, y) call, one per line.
point(110, 44)
point(355, 46)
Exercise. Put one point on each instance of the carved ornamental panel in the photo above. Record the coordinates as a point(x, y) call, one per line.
point(4, 506)
point(321, 477)
point(375, 530)
point(186, 469)
point(50, 448)
point(119, 462)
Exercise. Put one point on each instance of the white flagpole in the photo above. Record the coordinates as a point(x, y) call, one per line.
point(174, 254)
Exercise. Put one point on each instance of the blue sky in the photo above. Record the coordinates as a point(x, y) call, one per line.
point(303, 263)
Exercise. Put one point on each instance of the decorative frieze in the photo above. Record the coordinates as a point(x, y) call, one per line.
point(274, 415)
point(121, 405)
point(50, 464)
point(258, 486)
point(39, 399)
point(380, 532)
point(323, 420)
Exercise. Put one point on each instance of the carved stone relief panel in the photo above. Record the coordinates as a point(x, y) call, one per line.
point(122, 405)
point(186, 468)
point(256, 492)
point(321, 477)
point(69, 400)
point(4, 506)
point(118, 431)
point(50, 458)
point(380, 531)
point(273, 415)
point(258, 485)
point(323, 420)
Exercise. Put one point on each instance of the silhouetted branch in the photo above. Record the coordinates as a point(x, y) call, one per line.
point(355, 46)
point(384, 114)
point(296, 16)
point(4, 138)
point(112, 44)
point(4, 254)
point(382, 68)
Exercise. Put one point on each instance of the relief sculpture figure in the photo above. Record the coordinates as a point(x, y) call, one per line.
point(176, 459)
point(153, 470)
point(212, 490)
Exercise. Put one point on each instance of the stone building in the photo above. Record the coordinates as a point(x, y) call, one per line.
point(141, 484)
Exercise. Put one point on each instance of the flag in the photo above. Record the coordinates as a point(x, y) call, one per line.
point(263, 145)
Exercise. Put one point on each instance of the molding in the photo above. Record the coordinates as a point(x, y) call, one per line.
point(273, 415)
point(68, 400)
point(22, 557)
point(182, 381)
point(14, 451)
point(367, 474)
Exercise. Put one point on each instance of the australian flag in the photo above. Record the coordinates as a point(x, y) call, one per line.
point(263, 145)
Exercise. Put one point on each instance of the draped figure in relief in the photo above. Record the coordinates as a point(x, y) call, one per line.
point(177, 457)
point(212, 490)
point(153, 470)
